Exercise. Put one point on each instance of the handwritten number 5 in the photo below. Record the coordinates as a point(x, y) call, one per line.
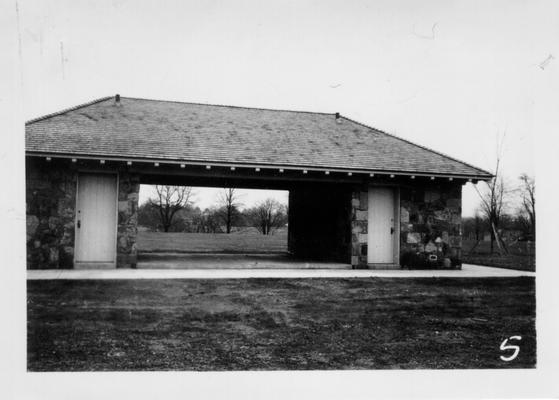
point(505, 346)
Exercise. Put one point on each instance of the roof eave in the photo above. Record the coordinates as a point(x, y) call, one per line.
point(318, 168)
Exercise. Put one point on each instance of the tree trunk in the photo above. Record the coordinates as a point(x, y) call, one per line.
point(228, 222)
point(497, 238)
point(474, 246)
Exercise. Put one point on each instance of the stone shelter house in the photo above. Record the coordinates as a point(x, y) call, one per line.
point(357, 195)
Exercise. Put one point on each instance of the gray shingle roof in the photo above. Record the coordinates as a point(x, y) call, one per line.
point(165, 130)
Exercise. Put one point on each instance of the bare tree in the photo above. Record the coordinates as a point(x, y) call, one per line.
point(474, 226)
point(528, 193)
point(478, 226)
point(206, 221)
point(169, 200)
point(493, 202)
point(229, 207)
point(268, 215)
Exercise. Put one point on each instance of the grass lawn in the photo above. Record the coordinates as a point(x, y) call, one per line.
point(245, 241)
point(270, 324)
point(508, 261)
point(521, 255)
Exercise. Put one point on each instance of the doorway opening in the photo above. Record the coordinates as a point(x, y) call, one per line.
point(201, 227)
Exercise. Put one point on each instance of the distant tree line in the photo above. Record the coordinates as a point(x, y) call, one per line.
point(507, 213)
point(171, 210)
point(506, 210)
point(511, 227)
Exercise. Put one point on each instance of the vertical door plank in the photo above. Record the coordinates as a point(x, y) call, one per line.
point(381, 221)
point(96, 238)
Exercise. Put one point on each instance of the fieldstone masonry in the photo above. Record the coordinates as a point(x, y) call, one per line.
point(430, 226)
point(50, 216)
point(430, 221)
point(128, 196)
point(359, 223)
point(50, 212)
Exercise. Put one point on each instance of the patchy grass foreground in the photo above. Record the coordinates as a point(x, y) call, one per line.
point(270, 324)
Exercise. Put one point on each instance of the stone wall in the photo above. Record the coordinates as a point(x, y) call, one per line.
point(50, 210)
point(430, 226)
point(128, 196)
point(359, 224)
point(326, 222)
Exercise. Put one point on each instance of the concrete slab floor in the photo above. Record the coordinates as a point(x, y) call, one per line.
point(467, 271)
point(229, 261)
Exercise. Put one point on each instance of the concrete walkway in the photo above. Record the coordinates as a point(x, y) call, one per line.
point(213, 261)
point(467, 271)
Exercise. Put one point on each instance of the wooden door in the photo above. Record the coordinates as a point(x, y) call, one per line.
point(381, 227)
point(96, 221)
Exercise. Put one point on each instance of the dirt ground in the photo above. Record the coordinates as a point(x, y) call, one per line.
point(279, 324)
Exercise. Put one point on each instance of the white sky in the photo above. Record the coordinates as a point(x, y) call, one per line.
point(449, 75)
point(205, 197)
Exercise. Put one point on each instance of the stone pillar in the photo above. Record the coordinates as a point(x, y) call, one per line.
point(430, 226)
point(359, 224)
point(128, 196)
point(50, 214)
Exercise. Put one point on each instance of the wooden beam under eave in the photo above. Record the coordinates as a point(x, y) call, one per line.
point(248, 181)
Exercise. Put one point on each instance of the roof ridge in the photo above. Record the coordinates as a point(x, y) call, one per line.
point(227, 106)
point(67, 110)
point(418, 145)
